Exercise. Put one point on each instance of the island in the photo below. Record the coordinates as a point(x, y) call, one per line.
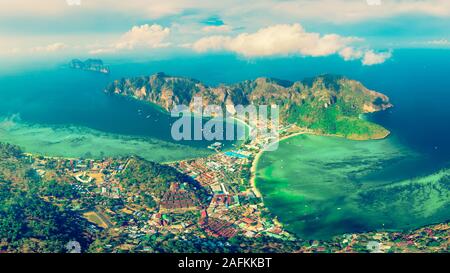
point(327, 104)
point(94, 65)
point(206, 204)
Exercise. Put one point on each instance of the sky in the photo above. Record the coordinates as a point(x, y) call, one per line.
point(367, 31)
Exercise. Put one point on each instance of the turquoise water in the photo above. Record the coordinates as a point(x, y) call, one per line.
point(75, 141)
point(415, 79)
point(320, 187)
point(64, 112)
point(317, 186)
point(324, 186)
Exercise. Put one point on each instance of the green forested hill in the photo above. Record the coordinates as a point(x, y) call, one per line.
point(150, 178)
point(28, 223)
point(327, 104)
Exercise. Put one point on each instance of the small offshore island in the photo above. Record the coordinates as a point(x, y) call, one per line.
point(94, 65)
point(206, 204)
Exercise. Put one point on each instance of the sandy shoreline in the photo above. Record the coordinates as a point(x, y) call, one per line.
point(255, 164)
point(259, 154)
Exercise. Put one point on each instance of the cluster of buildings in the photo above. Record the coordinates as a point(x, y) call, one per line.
point(178, 200)
point(435, 238)
point(218, 170)
point(233, 207)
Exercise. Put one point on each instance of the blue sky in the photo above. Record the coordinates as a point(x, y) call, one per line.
point(368, 31)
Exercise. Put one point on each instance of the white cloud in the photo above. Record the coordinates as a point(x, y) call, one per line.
point(49, 48)
point(276, 40)
point(150, 36)
point(350, 53)
point(211, 43)
point(440, 42)
point(290, 40)
point(372, 58)
point(101, 51)
point(139, 37)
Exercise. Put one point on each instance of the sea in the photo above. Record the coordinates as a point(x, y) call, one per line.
point(318, 187)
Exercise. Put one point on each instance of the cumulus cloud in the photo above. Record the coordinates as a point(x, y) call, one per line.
point(211, 43)
point(350, 53)
point(372, 58)
point(151, 36)
point(289, 40)
point(139, 37)
point(188, 13)
point(276, 40)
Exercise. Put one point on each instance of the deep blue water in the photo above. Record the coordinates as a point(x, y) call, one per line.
point(61, 96)
point(417, 81)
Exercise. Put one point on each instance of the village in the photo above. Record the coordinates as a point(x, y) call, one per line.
point(233, 208)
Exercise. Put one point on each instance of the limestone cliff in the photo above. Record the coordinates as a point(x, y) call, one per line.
point(326, 103)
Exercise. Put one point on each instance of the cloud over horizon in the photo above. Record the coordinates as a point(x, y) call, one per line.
point(284, 39)
point(249, 28)
point(373, 58)
point(439, 42)
point(50, 48)
point(139, 37)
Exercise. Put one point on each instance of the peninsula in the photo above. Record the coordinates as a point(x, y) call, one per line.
point(327, 104)
point(206, 204)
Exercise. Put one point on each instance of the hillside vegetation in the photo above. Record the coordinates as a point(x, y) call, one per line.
point(29, 223)
point(152, 180)
point(327, 104)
